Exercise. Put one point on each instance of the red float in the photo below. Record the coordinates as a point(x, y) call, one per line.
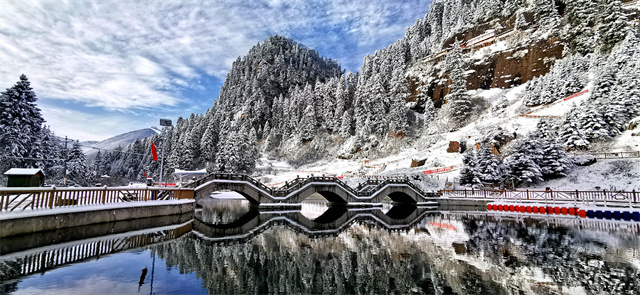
point(556, 210)
point(564, 210)
point(512, 208)
point(582, 213)
point(543, 210)
point(495, 207)
point(572, 211)
point(500, 207)
point(489, 207)
point(528, 209)
point(535, 210)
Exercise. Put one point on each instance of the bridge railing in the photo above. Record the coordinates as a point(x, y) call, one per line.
point(297, 183)
point(602, 196)
point(19, 199)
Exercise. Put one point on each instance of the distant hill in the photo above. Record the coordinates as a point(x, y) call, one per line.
point(91, 147)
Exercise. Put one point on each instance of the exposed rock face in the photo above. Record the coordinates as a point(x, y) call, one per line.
point(505, 69)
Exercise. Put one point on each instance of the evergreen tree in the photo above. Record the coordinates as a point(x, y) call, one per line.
point(346, 126)
point(458, 98)
point(613, 24)
point(553, 162)
point(77, 171)
point(20, 126)
point(522, 162)
point(489, 167)
point(469, 174)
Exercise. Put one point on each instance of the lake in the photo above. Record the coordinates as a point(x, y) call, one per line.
point(229, 247)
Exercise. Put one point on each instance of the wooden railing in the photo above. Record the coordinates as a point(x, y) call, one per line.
point(601, 196)
point(18, 199)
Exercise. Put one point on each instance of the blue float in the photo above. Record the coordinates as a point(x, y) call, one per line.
point(635, 216)
point(592, 214)
point(617, 215)
point(626, 215)
point(599, 214)
point(607, 214)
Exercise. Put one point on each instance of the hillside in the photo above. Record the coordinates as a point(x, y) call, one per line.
point(90, 148)
point(518, 84)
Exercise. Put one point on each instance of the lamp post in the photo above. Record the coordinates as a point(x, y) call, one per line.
point(164, 123)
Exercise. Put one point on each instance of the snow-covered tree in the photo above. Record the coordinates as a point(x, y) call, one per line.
point(20, 125)
point(459, 99)
point(522, 162)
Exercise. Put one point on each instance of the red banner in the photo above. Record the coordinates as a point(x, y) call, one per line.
point(438, 170)
point(154, 152)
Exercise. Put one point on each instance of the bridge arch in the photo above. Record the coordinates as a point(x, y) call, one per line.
point(397, 193)
point(330, 191)
point(254, 195)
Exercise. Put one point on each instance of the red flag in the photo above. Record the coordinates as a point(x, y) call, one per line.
point(154, 152)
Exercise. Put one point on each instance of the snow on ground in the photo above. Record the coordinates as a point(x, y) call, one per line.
point(504, 110)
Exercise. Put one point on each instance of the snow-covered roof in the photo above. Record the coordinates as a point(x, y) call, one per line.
point(186, 172)
point(22, 171)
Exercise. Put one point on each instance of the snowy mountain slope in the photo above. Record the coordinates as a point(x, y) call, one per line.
point(90, 148)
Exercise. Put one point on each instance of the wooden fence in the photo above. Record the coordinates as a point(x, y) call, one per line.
point(596, 197)
point(12, 199)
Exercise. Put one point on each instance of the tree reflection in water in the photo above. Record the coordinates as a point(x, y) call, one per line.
point(443, 254)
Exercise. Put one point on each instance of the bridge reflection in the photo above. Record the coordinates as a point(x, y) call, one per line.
point(330, 223)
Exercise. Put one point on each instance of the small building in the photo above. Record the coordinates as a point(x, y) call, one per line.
point(191, 174)
point(24, 177)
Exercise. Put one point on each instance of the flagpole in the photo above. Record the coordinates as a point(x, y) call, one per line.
point(162, 156)
point(164, 123)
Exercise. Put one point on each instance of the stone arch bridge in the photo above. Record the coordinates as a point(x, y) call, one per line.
point(297, 190)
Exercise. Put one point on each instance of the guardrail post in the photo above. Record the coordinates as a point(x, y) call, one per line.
point(465, 193)
point(104, 194)
point(51, 196)
point(527, 194)
point(485, 193)
point(634, 195)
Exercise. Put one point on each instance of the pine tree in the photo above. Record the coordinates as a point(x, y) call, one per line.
point(522, 162)
point(77, 167)
point(469, 174)
point(346, 126)
point(308, 124)
point(209, 141)
point(613, 27)
point(553, 162)
point(489, 167)
point(20, 125)
point(458, 98)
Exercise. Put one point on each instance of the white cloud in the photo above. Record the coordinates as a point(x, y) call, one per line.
point(122, 55)
point(86, 126)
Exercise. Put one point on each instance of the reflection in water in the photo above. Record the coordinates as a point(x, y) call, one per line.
point(221, 211)
point(444, 254)
point(405, 250)
point(313, 210)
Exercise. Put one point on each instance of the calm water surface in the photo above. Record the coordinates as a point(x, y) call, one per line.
point(228, 247)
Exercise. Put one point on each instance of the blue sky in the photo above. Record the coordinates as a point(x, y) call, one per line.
point(101, 68)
